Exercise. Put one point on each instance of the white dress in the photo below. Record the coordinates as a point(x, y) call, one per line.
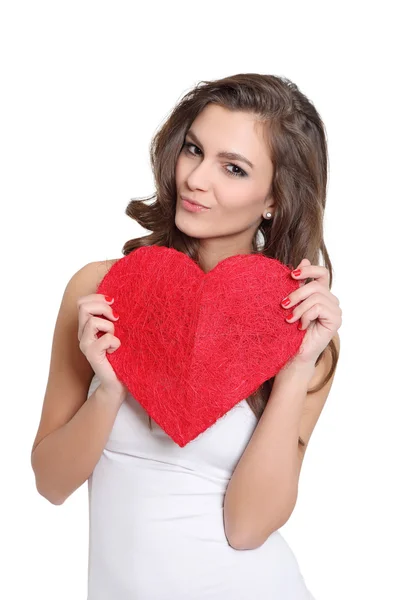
point(156, 529)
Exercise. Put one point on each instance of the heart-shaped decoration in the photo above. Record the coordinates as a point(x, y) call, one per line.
point(194, 344)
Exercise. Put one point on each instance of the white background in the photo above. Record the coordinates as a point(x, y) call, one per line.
point(84, 87)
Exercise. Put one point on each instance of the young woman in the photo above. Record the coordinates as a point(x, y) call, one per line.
point(202, 521)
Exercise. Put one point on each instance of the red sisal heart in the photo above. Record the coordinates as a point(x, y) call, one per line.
point(194, 344)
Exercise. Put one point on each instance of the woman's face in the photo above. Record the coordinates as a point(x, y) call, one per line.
point(236, 196)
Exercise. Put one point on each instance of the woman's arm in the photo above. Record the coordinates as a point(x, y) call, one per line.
point(263, 489)
point(66, 458)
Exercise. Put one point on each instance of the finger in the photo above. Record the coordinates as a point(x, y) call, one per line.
point(315, 290)
point(318, 298)
point(303, 263)
point(320, 311)
point(312, 272)
point(95, 297)
point(107, 343)
point(93, 326)
point(87, 309)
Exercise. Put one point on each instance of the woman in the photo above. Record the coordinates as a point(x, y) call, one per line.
point(201, 521)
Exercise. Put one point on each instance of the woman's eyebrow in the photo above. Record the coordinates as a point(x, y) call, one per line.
point(228, 155)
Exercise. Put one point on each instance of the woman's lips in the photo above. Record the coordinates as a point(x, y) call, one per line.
point(192, 207)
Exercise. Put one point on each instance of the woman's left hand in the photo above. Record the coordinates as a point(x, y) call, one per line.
point(318, 312)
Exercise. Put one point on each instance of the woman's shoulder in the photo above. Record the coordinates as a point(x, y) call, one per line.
point(98, 270)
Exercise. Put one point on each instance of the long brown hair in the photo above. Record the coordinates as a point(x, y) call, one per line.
point(297, 141)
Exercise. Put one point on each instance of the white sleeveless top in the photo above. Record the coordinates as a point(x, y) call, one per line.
point(156, 529)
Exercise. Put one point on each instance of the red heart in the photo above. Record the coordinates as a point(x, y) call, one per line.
point(194, 344)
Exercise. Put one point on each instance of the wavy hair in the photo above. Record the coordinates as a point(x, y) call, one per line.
point(298, 149)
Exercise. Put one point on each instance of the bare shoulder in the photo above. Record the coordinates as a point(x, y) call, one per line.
point(101, 268)
point(87, 279)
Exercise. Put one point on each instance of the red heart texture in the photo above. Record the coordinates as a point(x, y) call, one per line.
point(194, 344)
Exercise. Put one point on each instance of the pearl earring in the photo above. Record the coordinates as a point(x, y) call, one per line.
point(268, 215)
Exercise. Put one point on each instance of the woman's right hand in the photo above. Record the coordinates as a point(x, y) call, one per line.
point(95, 348)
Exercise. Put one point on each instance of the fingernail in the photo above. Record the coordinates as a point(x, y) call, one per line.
point(109, 299)
point(115, 316)
point(296, 273)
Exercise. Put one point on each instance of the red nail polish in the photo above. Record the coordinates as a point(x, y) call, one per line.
point(296, 273)
point(108, 299)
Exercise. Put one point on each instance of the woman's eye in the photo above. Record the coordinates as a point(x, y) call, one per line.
point(241, 172)
point(187, 145)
